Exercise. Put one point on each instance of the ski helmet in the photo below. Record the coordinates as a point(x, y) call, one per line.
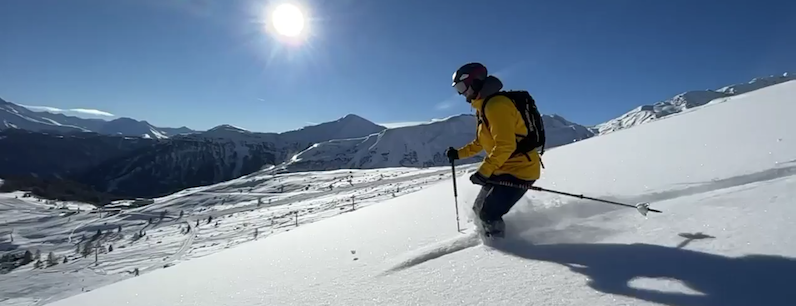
point(469, 79)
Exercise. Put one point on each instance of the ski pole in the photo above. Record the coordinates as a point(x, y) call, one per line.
point(642, 208)
point(455, 196)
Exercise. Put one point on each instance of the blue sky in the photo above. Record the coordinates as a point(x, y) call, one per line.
point(202, 63)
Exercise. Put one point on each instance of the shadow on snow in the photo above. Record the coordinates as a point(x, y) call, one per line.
point(754, 279)
point(723, 281)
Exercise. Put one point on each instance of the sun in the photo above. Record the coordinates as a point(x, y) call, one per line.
point(288, 20)
point(288, 28)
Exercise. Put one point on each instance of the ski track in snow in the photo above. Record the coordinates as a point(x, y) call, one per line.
point(434, 251)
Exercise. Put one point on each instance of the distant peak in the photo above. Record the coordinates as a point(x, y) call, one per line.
point(126, 119)
point(228, 127)
point(351, 117)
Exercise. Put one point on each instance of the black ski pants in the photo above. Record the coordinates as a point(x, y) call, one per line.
point(494, 201)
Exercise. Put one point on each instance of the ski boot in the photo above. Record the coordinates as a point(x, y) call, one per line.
point(495, 228)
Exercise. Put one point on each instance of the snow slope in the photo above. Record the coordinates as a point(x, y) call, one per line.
point(418, 145)
point(724, 238)
point(228, 214)
point(685, 101)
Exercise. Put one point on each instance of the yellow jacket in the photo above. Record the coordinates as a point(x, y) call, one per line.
point(505, 128)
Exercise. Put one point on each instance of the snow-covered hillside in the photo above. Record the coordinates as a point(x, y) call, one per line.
point(189, 224)
point(685, 101)
point(724, 237)
point(19, 117)
point(419, 145)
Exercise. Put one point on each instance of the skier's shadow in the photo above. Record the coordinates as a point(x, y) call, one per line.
point(722, 281)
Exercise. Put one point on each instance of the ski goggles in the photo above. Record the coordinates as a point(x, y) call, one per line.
point(460, 87)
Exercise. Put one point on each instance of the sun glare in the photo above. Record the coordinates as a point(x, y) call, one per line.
point(289, 28)
point(288, 20)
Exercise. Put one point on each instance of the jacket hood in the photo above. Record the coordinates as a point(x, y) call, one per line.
point(491, 86)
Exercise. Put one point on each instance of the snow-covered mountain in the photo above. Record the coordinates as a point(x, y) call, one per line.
point(219, 154)
point(131, 127)
point(420, 145)
point(684, 101)
point(350, 126)
point(109, 164)
point(226, 152)
point(286, 144)
point(561, 131)
point(230, 133)
point(19, 117)
point(225, 131)
point(170, 132)
point(409, 146)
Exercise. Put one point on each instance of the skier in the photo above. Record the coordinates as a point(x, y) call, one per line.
point(511, 132)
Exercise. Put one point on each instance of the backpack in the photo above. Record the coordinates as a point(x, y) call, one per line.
point(526, 105)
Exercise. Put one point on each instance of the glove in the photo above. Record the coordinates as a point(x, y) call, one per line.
point(452, 154)
point(478, 179)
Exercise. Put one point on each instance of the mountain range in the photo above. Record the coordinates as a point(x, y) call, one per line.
point(131, 158)
point(421, 145)
point(685, 101)
point(17, 116)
